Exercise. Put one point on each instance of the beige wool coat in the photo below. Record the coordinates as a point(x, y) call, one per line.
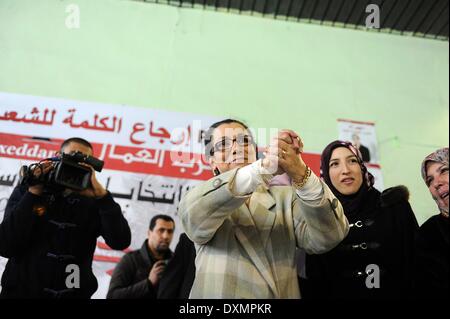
point(248, 250)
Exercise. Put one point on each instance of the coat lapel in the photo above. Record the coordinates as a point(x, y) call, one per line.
point(252, 240)
point(260, 204)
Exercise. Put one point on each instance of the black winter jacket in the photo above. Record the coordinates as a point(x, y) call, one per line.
point(44, 250)
point(382, 234)
point(130, 277)
point(432, 258)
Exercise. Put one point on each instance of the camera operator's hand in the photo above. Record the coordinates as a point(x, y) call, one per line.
point(47, 166)
point(96, 190)
point(156, 272)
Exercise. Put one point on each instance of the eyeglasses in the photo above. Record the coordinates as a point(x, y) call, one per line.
point(226, 143)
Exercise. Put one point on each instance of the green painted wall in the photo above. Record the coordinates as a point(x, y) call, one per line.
point(266, 72)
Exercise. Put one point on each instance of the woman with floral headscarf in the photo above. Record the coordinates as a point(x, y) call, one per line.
point(374, 260)
point(432, 243)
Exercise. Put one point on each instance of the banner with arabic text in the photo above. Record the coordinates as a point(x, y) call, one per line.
point(152, 157)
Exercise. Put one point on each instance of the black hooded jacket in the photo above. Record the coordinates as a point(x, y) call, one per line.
point(381, 233)
point(50, 254)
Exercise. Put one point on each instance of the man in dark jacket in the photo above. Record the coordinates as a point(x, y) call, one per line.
point(50, 240)
point(139, 272)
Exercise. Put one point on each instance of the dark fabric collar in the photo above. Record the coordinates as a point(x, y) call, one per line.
point(148, 256)
point(443, 224)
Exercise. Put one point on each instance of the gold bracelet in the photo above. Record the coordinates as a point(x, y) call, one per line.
point(299, 185)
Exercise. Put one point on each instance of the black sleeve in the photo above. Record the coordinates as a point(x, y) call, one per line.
point(431, 270)
point(424, 262)
point(121, 285)
point(395, 201)
point(17, 225)
point(408, 227)
point(180, 272)
point(400, 250)
point(316, 285)
point(114, 227)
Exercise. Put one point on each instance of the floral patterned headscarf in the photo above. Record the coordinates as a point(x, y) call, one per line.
point(439, 156)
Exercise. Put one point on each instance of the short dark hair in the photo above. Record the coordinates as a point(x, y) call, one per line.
point(155, 218)
point(209, 149)
point(78, 140)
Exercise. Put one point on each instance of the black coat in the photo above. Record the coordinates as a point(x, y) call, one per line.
point(180, 272)
point(432, 254)
point(40, 247)
point(130, 277)
point(385, 238)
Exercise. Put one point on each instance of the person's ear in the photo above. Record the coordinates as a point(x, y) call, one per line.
point(213, 165)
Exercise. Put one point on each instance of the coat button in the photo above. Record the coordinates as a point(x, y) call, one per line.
point(217, 182)
point(334, 203)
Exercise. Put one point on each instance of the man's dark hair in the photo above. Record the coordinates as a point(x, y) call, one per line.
point(209, 149)
point(163, 217)
point(78, 140)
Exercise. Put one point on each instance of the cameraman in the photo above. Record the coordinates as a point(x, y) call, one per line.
point(50, 239)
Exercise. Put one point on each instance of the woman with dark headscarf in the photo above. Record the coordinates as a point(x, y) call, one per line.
point(432, 243)
point(374, 260)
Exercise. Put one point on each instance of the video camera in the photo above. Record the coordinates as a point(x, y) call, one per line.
point(66, 172)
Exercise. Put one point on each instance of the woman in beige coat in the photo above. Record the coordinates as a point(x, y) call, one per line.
point(245, 231)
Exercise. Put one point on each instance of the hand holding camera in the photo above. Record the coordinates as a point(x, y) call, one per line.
point(73, 171)
point(45, 168)
point(95, 189)
point(157, 271)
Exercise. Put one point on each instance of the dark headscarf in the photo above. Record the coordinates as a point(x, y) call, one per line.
point(439, 156)
point(351, 203)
